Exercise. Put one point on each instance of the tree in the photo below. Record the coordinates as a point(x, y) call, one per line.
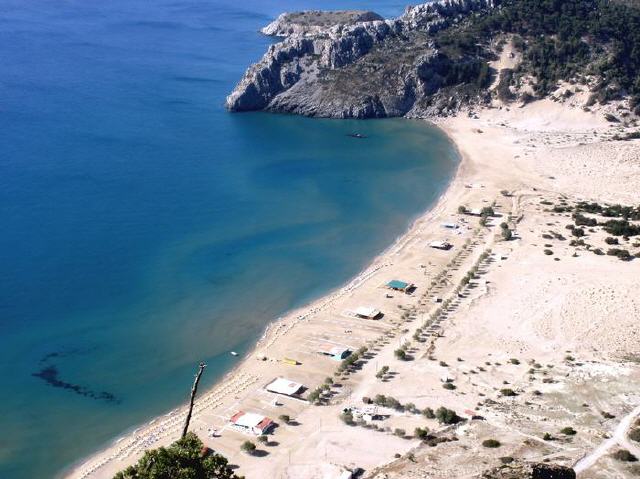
point(347, 418)
point(400, 354)
point(314, 396)
point(248, 447)
point(285, 418)
point(487, 211)
point(507, 234)
point(185, 458)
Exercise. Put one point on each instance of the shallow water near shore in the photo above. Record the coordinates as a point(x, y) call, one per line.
point(146, 229)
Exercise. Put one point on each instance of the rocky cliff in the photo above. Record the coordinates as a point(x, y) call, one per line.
point(367, 69)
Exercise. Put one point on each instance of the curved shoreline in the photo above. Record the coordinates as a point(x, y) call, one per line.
point(272, 332)
point(516, 160)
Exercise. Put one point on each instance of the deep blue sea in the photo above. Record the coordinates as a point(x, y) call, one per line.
point(143, 228)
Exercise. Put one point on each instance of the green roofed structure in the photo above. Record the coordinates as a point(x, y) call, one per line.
point(398, 285)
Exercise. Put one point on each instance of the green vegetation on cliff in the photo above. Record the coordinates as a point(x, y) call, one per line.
point(560, 40)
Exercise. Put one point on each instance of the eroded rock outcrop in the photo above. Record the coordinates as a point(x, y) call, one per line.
point(368, 69)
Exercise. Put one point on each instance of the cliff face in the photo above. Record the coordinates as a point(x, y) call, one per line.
point(367, 69)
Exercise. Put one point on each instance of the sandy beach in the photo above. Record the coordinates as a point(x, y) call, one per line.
point(539, 315)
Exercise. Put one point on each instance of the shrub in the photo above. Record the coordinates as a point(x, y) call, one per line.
point(380, 399)
point(263, 439)
point(462, 209)
point(621, 228)
point(507, 460)
point(491, 443)
point(399, 432)
point(447, 416)
point(421, 433)
point(624, 456)
point(568, 431)
point(622, 254)
point(582, 220)
point(508, 392)
point(611, 240)
point(577, 232)
point(548, 252)
point(514, 361)
point(634, 434)
point(449, 386)
point(428, 413)
point(547, 437)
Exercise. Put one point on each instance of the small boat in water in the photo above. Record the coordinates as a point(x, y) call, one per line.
point(233, 353)
point(356, 135)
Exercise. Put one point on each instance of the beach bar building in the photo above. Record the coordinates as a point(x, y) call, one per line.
point(252, 423)
point(398, 285)
point(368, 312)
point(441, 244)
point(285, 387)
point(450, 226)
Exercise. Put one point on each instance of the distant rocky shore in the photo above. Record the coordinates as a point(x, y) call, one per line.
point(314, 21)
point(354, 64)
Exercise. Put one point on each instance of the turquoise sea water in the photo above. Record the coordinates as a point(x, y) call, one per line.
point(143, 228)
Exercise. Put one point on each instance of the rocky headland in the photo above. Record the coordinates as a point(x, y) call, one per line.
point(442, 57)
point(368, 69)
point(314, 21)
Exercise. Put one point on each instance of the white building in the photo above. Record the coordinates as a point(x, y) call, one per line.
point(367, 312)
point(285, 387)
